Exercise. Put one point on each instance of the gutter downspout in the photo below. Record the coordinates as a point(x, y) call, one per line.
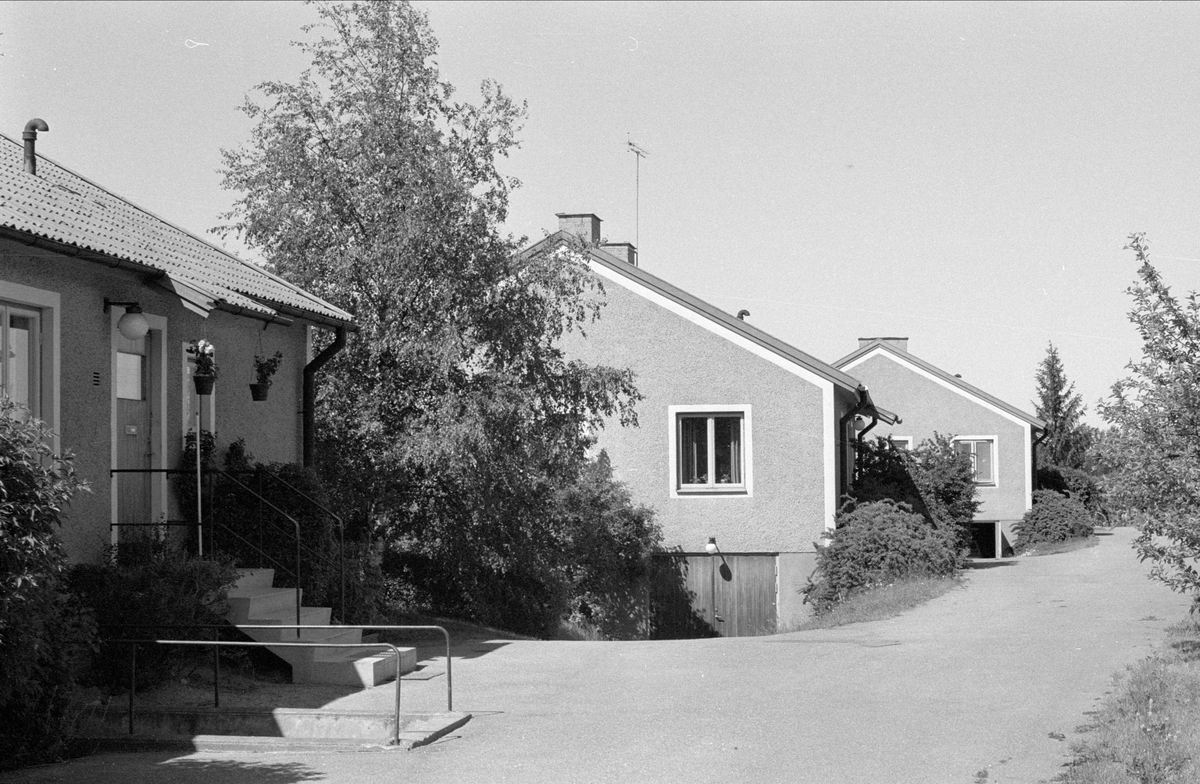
point(309, 413)
point(845, 420)
point(1033, 461)
point(858, 442)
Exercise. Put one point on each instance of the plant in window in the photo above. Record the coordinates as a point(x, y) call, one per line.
point(264, 368)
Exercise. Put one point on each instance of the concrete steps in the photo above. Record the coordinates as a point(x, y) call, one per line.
point(254, 601)
point(264, 730)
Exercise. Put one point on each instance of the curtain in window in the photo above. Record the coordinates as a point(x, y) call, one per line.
point(728, 447)
point(693, 450)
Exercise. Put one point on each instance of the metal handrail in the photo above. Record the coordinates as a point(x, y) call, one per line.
point(298, 627)
point(238, 643)
point(341, 530)
point(294, 522)
point(214, 524)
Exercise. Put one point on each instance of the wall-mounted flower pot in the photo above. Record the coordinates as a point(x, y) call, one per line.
point(204, 384)
point(259, 392)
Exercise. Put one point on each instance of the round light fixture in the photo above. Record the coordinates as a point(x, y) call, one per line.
point(133, 325)
point(711, 547)
point(860, 422)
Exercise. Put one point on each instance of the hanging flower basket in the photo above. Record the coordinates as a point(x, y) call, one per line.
point(204, 384)
point(264, 368)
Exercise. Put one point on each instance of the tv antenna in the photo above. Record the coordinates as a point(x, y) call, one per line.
point(639, 153)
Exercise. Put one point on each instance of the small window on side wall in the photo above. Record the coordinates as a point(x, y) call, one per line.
point(982, 452)
point(711, 451)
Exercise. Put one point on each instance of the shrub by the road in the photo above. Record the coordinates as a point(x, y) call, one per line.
point(38, 621)
point(876, 544)
point(1054, 518)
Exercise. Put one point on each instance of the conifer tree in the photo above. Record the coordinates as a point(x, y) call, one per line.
point(1062, 409)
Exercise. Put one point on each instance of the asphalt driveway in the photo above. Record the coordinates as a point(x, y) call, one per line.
point(993, 677)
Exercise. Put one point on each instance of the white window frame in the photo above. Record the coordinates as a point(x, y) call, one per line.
point(906, 441)
point(48, 304)
point(675, 488)
point(995, 480)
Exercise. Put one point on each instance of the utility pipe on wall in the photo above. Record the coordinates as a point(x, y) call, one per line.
point(309, 413)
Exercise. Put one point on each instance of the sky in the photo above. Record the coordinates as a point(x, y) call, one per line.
point(964, 175)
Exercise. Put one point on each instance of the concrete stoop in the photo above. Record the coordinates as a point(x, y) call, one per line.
point(211, 729)
point(255, 601)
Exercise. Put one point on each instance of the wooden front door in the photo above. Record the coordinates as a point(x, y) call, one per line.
point(135, 432)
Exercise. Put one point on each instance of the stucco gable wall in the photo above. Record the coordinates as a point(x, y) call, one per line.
point(272, 430)
point(927, 407)
point(678, 362)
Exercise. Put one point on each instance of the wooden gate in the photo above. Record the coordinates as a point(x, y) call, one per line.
point(714, 595)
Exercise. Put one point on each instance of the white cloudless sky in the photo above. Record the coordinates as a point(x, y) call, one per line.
point(964, 175)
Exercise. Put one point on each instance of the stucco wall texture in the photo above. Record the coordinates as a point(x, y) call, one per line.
point(927, 406)
point(272, 430)
point(677, 362)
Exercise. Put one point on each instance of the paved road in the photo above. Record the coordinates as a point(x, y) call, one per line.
point(984, 678)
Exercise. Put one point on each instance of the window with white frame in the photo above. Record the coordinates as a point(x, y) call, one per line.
point(982, 452)
point(902, 442)
point(711, 451)
point(21, 355)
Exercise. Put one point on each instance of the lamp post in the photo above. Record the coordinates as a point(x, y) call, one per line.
point(712, 549)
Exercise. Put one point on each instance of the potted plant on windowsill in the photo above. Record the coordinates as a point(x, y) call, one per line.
point(206, 367)
point(264, 367)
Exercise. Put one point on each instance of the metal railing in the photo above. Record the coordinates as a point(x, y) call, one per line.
point(217, 644)
point(340, 524)
point(295, 524)
point(238, 643)
point(212, 524)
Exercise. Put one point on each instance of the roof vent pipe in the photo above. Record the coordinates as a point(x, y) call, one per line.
point(30, 137)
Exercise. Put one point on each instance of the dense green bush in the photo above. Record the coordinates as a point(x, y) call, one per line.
point(875, 544)
point(611, 541)
point(38, 623)
point(934, 479)
point(1080, 485)
point(590, 563)
point(163, 586)
point(1054, 518)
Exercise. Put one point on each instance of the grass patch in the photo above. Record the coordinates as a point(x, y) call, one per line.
point(880, 603)
point(1054, 548)
point(1148, 729)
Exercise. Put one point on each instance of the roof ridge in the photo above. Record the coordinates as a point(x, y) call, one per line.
point(713, 313)
point(946, 376)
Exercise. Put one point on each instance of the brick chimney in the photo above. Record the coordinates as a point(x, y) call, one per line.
point(900, 343)
point(622, 250)
point(584, 225)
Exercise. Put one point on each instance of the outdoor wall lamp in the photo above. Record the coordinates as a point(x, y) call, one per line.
point(860, 422)
point(133, 325)
point(711, 548)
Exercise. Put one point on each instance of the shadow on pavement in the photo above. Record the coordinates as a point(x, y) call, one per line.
point(232, 772)
point(988, 564)
point(136, 767)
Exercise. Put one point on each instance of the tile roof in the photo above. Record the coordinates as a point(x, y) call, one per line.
point(61, 206)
